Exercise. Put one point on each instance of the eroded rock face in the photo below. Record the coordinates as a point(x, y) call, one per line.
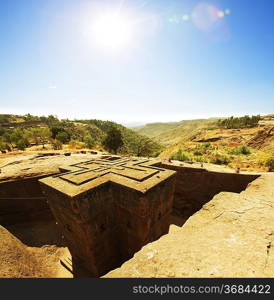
point(231, 236)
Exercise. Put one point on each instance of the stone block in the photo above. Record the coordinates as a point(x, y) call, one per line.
point(109, 208)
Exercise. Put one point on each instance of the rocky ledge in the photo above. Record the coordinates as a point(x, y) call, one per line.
point(231, 236)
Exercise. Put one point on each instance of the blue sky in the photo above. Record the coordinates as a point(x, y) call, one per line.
point(183, 59)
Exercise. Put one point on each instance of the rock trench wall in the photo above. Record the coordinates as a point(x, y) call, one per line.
point(196, 186)
point(231, 236)
point(22, 201)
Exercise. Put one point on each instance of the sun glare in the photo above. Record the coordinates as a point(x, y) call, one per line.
point(112, 30)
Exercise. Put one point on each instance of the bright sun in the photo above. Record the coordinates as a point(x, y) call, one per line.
point(112, 30)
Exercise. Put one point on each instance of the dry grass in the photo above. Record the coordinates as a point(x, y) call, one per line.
point(228, 139)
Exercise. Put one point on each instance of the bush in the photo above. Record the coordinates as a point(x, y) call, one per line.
point(21, 145)
point(180, 155)
point(76, 145)
point(198, 153)
point(57, 145)
point(220, 159)
point(113, 141)
point(206, 145)
point(4, 146)
point(89, 142)
point(270, 162)
point(200, 159)
point(240, 150)
point(63, 137)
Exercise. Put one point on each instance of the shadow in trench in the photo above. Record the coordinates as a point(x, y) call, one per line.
point(37, 233)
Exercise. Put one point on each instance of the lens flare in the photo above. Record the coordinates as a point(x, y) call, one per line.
point(204, 16)
point(221, 14)
point(211, 20)
point(185, 18)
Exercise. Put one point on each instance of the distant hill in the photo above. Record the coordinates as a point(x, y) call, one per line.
point(19, 132)
point(173, 132)
point(155, 129)
point(208, 140)
point(134, 142)
point(133, 124)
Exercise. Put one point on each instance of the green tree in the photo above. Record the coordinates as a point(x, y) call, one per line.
point(16, 135)
point(8, 139)
point(3, 145)
point(50, 120)
point(89, 142)
point(63, 137)
point(113, 140)
point(29, 117)
point(21, 145)
point(44, 137)
point(146, 147)
point(239, 122)
point(38, 135)
point(55, 130)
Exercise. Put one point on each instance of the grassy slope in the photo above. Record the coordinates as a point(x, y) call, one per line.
point(129, 136)
point(155, 129)
point(186, 134)
point(171, 133)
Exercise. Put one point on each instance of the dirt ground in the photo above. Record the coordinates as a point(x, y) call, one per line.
point(18, 260)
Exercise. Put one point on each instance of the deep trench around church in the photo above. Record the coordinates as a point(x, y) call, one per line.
point(24, 210)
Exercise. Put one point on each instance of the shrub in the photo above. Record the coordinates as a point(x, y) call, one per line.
point(21, 145)
point(270, 162)
point(63, 137)
point(198, 153)
point(89, 142)
point(72, 144)
point(206, 145)
point(4, 146)
point(240, 150)
point(180, 155)
point(76, 145)
point(57, 145)
point(200, 159)
point(220, 159)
